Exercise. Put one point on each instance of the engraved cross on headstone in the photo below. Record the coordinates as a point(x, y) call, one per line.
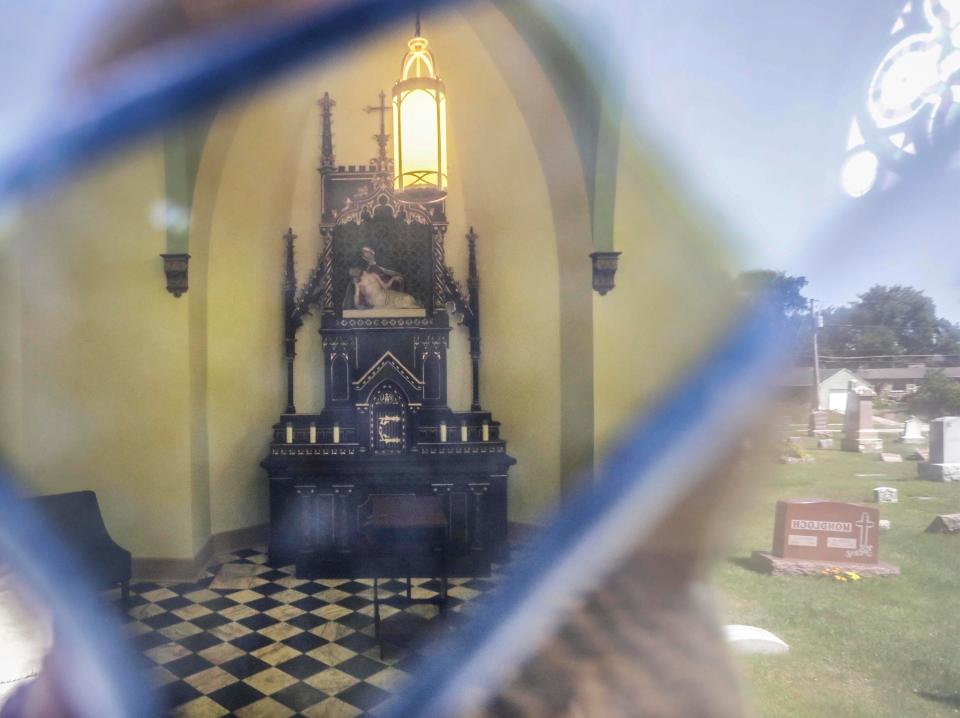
point(383, 137)
point(865, 524)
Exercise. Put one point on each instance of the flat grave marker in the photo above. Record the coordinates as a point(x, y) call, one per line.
point(945, 524)
point(886, 495)
point(753, 640)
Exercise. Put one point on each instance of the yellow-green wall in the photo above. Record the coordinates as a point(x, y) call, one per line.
point(11, 358)
point(164, 405)
point(104, 365)
point(673, 295)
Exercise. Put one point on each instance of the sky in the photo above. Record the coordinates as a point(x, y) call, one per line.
point(749, 102)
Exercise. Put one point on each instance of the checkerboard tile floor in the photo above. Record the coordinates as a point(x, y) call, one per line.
point(279, 645)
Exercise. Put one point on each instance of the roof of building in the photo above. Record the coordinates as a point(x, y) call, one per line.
point(906, 372)
point(800, 376)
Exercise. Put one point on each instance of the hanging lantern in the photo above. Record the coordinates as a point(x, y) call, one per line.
point(419, 127)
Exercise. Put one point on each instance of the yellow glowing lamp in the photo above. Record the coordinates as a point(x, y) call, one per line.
point(419, 127)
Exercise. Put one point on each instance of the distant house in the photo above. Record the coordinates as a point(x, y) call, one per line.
point(833, 389)
point(889, 382)
point(896, 382)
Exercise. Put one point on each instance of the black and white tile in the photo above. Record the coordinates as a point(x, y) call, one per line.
point(250, 640)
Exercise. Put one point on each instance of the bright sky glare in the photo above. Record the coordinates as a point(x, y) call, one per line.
point(752, 104)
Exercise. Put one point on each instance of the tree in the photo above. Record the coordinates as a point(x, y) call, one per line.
point(783, 292)
point(889, 321)
point(780, 288)
point(939, 396)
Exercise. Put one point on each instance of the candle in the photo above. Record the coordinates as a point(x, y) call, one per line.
point(443, 431)
point(486, 431)
point(289, 433)
point(463, 431)
point(336, 432)
point(313, 433)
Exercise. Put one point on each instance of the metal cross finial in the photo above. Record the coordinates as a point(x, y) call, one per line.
point(383, 137)
point(416, 32)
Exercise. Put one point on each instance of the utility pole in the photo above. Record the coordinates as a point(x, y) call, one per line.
point(818, 417)
point(815, 317)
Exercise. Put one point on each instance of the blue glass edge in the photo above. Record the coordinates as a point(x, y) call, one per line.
point(750, 345)
point(212, 68)
point(83, 627)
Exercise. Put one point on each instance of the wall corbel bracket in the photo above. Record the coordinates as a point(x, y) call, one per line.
point(604, 270)
point(175, 267)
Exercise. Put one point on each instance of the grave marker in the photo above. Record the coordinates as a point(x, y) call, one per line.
point(885, 495)
point(944, 462)
point(753, 640)
point(858, 432)
point(912, 432)
point(818, 424)
point(945, 524)
point(810, 535)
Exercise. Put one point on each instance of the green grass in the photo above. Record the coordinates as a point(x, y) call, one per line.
point(877, 647)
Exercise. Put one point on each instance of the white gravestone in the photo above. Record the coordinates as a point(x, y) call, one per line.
point(885, 495)
point(912, 432)
point(750, 639)
point(944, 463)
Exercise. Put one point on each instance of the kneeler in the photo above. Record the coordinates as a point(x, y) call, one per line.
point(407, 534)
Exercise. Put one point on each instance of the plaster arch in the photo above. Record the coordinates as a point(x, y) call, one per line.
point(548, 120)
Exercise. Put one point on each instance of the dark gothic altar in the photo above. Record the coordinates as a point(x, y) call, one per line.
point(385, 299)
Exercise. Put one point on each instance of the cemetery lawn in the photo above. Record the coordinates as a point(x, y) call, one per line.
point(875, 647)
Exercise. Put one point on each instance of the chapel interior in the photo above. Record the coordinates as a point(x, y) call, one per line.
point(167, 404)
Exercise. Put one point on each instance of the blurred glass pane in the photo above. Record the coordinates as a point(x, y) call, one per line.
point(141, 302)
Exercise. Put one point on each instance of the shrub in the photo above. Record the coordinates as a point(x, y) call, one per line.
point(939, 396)
point(794, 450)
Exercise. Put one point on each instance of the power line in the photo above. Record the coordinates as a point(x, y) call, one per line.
point(892, 356)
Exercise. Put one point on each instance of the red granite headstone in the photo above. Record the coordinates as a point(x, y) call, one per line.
point(831, 531)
